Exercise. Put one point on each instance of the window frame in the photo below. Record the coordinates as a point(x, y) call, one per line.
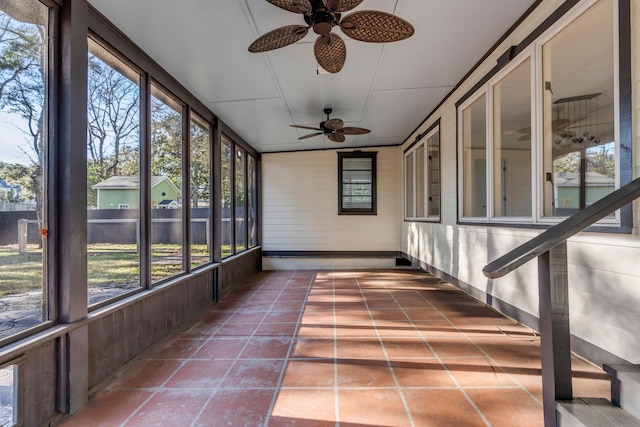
point(532, 48)
point(422, 140)
point(372, 155)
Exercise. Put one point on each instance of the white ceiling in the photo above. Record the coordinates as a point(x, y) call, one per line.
point(388, 88)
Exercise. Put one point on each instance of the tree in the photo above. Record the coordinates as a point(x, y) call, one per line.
point(23, 53)
point(200, 164)
point(113, 123)
point(166, 141)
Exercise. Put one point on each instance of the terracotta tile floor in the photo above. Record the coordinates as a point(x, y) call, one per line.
point(341, 348)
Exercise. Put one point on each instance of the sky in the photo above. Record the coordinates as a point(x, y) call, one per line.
point(11, 139)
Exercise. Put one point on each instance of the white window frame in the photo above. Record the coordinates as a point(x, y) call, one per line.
point(427, 172)
point(534, 53)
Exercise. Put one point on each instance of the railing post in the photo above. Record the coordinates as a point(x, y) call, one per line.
point(555, 338)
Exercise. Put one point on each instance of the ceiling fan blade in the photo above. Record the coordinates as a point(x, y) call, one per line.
point(295, 6)
point(341, 6)
point(305, 127)
point(310, 135)
point(334, 124)
point(330, 52)
point(353, 131)
point(336, 137)
point(280, 37)
point(376, 27)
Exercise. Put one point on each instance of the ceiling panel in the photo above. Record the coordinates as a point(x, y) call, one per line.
point(388, 88)
point(387, 116)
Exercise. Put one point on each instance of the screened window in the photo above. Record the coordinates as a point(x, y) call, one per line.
point(240, 199)
point(113, 175)
point(357, 183)
point(24, 71)
point(167, 211)
point(200, 191)
point(519, 169)
point(226, 200)
point(422, 178)
point(252, 200)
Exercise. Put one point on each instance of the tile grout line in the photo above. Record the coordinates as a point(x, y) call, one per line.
point(444, 366)
point(161, 387)
point(291, 344)
point(215, 389)
point(398, 387)
point(336, 390)
point(492, 362)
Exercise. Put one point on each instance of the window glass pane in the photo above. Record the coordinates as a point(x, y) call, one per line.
point(420, 190)
point(113, 175)
point(512, 143)
point(474, 149)
point(409, 184)
point(579, 138)
point(252, 202)
point(166, 186)
point(357, 183)
point(241, 238)
point(23, 150)
point(433, 175)
point(225, 201)
point(200, 190)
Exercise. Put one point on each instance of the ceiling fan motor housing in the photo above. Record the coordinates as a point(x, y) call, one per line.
point(322, 23)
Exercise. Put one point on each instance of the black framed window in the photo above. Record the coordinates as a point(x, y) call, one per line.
point(357, 183)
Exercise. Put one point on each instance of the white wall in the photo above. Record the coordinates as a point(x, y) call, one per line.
point(300, 209)
point(604, 269)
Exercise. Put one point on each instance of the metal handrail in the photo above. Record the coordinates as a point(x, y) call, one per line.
point(563, 231)
point(550, 248)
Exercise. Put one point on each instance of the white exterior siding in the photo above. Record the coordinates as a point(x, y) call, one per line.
point(300, 205)
point(604, 269)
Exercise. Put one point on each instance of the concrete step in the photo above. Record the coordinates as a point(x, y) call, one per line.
point(625, 387)
point(593, 412)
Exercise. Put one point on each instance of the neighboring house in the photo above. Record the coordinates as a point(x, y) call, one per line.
point(123, 192)
point(567, 187)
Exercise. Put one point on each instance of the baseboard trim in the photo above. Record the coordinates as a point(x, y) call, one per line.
point(579, 346)
point(332, 254)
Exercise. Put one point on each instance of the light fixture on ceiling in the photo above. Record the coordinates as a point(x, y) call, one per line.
point(322, 15)
point(334, 129)
point(577, 120)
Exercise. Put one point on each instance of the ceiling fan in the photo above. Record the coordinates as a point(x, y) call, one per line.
point(322, 15)
point(333, 128)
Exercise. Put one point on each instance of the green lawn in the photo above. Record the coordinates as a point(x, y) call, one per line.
point(108, 265)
